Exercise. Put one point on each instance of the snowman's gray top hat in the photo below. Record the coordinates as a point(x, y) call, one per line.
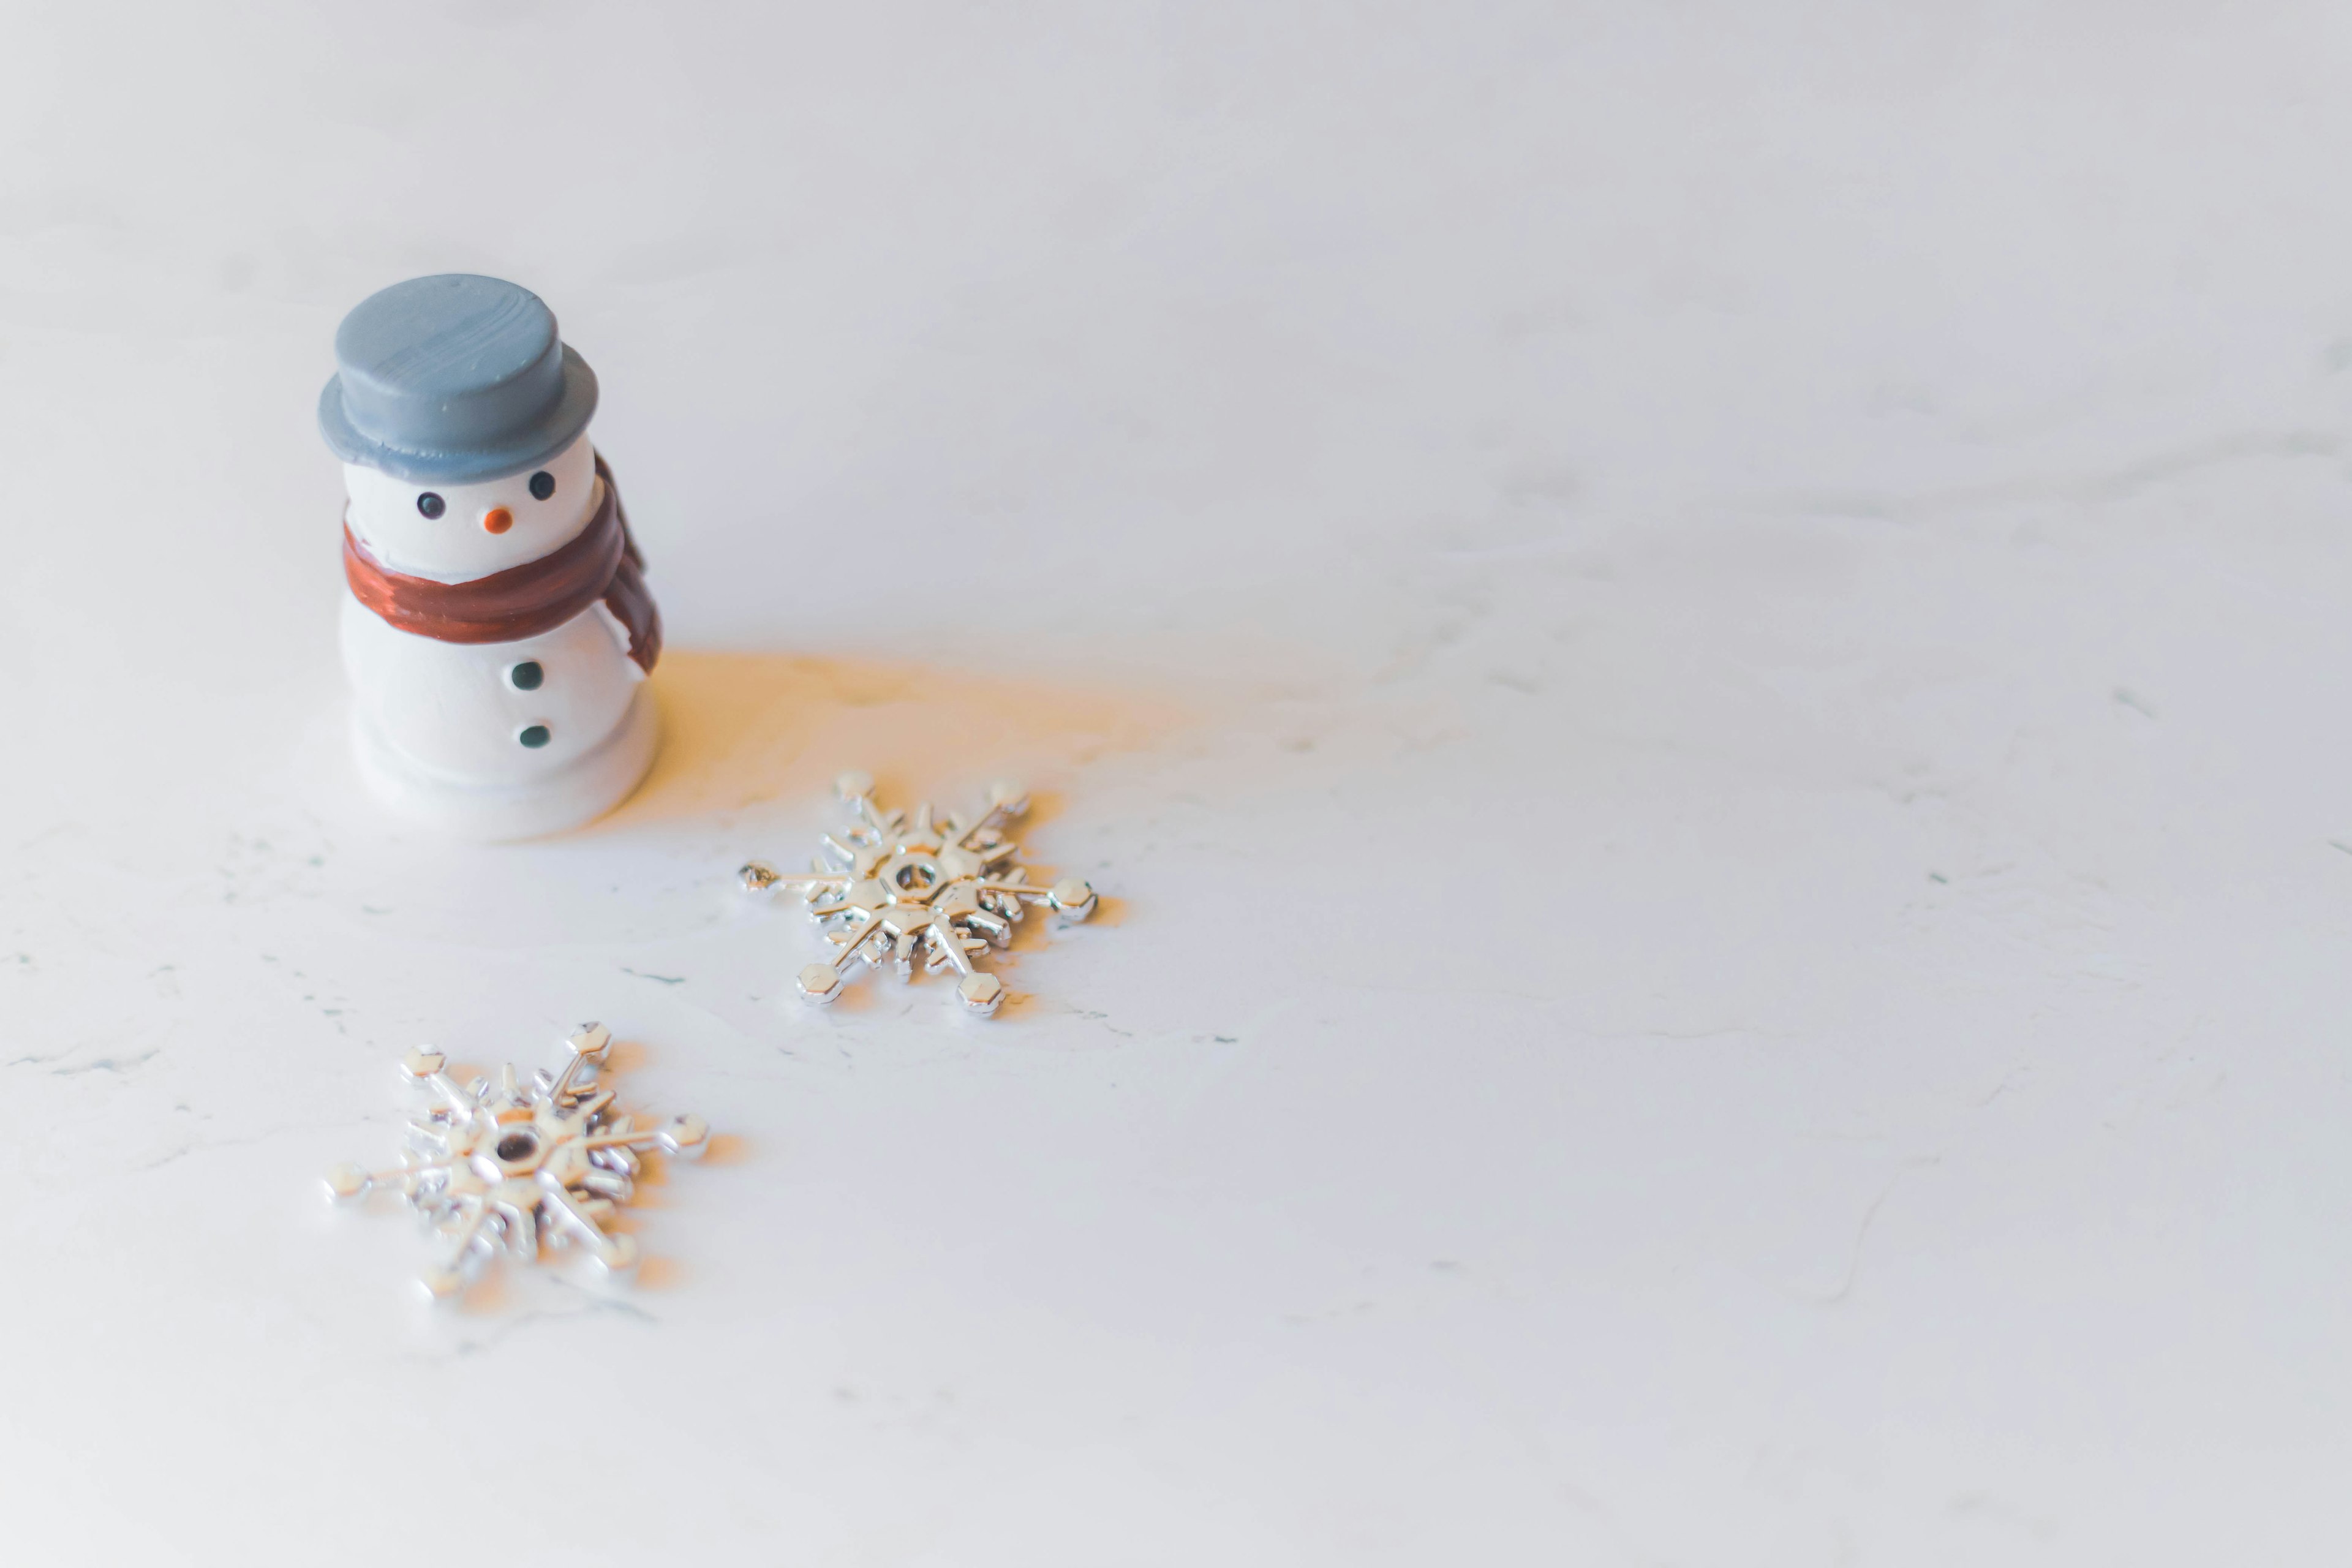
point(452, 379)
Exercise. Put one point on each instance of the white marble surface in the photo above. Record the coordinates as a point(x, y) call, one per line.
point(1701, 654)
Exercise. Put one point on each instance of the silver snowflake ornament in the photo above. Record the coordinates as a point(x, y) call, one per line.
point(520, 1165)
point(920, 891)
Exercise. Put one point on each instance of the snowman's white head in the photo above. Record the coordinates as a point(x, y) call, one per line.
point(454, 533)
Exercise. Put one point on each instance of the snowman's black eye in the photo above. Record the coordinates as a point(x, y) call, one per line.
point(431, 505)
point(542, 485)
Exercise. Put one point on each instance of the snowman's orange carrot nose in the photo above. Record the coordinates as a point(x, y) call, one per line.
point(498, 519)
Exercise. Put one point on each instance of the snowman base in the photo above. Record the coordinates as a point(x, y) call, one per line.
point(578, 793)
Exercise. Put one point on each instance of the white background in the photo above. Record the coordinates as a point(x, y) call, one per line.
point(1700, 650)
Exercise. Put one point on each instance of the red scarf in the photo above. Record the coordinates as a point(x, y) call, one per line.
point(522, 600)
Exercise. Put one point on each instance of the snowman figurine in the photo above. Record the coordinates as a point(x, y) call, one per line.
point(499, 628)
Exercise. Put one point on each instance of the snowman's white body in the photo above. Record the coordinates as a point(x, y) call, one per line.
point(502, 739)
